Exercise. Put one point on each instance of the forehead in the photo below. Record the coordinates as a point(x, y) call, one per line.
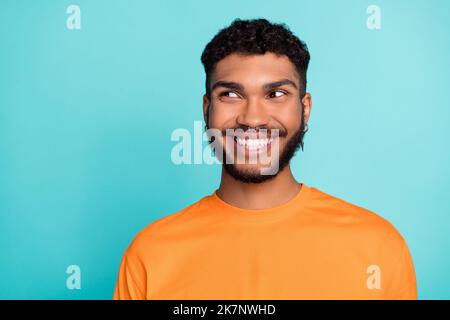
point(258, 69)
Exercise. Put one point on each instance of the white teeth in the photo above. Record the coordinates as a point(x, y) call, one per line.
point(254, 144)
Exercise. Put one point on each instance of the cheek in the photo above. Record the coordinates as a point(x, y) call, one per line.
point(292, 124)
point(290, 118)
point(221, 116)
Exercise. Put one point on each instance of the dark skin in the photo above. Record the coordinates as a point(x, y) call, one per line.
point(257, 91)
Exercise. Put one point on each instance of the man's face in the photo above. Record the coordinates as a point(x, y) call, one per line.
point(252, 93)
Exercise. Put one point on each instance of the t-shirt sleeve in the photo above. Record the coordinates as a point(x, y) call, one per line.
point(403, 281)
point(130, 283)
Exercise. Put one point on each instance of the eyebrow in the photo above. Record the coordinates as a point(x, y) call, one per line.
point(238, 86)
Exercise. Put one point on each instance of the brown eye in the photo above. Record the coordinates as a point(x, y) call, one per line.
point(273, 94)
point(229, 94)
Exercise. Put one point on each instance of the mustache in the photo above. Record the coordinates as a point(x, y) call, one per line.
point(265, 130)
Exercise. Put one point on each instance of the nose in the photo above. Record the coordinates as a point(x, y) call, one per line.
point(253, 115)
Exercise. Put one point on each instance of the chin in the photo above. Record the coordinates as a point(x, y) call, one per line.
point(248, 173)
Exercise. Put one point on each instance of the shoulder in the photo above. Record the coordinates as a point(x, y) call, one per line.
point(171, 226)
point(352, 217)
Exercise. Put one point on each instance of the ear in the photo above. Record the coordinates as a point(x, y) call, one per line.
point(307, 103)
point(206, 103)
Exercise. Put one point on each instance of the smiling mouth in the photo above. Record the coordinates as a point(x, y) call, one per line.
point(253, 144)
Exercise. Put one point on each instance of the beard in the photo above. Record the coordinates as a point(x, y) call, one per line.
point(254, 175)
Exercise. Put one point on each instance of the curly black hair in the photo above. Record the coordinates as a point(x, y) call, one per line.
point(256, 36)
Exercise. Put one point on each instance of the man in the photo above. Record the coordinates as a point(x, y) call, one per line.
point(262, 234)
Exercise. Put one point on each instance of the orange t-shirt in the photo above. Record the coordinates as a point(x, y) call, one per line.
point(315, 246)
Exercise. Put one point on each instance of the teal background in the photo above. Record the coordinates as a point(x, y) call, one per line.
point(86, 117)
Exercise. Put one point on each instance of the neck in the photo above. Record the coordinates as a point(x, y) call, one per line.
point(268, 194)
